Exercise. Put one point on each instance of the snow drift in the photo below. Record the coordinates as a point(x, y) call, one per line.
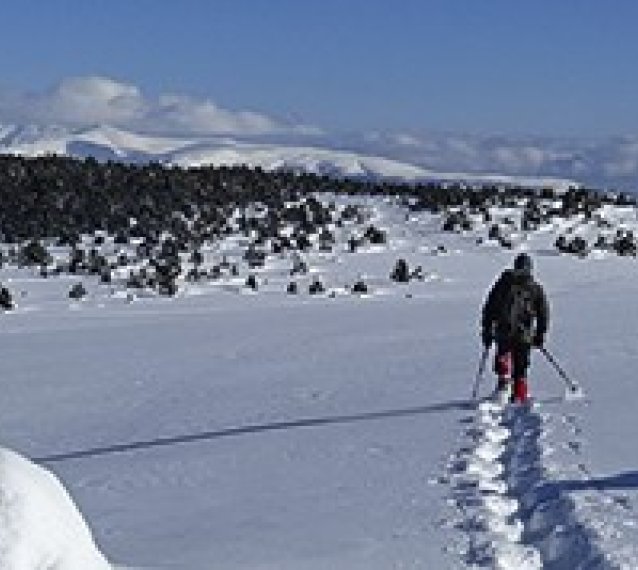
point(40, 526)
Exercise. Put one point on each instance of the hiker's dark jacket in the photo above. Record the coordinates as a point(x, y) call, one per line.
point(492, 310)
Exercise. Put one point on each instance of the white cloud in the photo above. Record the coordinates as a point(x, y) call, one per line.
point(406, 139)
point(96, 99)
point(84, 101)
point(525, 157)
point(624, 162)
point(197, 116)
point(602, 163)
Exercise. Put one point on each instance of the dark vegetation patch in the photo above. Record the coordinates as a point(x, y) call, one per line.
point(163, 217)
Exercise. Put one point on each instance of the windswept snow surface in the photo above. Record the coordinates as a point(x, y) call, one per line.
point(234, 431)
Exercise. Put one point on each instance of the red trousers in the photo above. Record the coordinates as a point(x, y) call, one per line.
point(511, 363)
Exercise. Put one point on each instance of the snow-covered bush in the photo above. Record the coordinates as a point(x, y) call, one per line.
point(34, 253)
point(299, 267)
point(6, 300)
point(326, 240)
point(576, 246)
point(401, 271)
point(360, 287)
point(417, 273)
point(494, 232)
point(77, 291)
point(624, 243)
point(316, 287)
point(251, 282)
point(353, 244)
point(254, 257)
point(375, 236)
point(457, 221)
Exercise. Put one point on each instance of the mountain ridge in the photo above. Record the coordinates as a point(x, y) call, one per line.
point(106, 142)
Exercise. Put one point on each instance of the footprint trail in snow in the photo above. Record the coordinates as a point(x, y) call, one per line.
point(517, 507)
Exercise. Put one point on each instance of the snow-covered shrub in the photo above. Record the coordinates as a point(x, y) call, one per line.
point(401, 271)
point(96, 262)
point(326, 240)
point(197, 258)
point(303, 242)
point(457, 221)
point(350, 212)
point(561, 244)
point(299, 267)
point(494, 232)
point(78, 291)
point(360, 287)
point(194, 274)
point(353, 244)
point(601, 243)
point(417, 273)
point(579, 246)
point(215, 272)
point(34, 253)
point(625, 244)
point(375, 236)
point(251, 282)
point(254, 257)
point(6, 300)
point(316, 287)
point(506, 242)
point(532, 218)
point(576, 246)
point(166, 272)
point(167, 288)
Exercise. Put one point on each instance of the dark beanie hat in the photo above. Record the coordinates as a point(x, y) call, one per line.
point(523, 263)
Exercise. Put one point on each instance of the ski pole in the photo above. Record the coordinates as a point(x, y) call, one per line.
point(479, 374)
point(572, 385)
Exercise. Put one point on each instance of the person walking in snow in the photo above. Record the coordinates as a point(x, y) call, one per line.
point(516, 316)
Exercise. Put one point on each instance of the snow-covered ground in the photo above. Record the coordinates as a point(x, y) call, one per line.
point(240, 431)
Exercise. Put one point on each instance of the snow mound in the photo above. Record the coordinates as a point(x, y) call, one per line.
point(40, 526)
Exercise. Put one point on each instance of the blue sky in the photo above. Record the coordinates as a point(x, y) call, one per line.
point(550, 67)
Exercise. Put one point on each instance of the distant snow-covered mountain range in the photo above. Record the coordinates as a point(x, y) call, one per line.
point(474, 160)
point(113, 119)
point(109, 143)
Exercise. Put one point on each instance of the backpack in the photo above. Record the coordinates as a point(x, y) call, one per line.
point(518, 311)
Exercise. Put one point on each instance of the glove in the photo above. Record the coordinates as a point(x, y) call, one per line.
point(538, 340)
point(487, 337)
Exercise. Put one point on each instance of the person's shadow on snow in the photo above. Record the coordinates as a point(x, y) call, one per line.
point(256, 429)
